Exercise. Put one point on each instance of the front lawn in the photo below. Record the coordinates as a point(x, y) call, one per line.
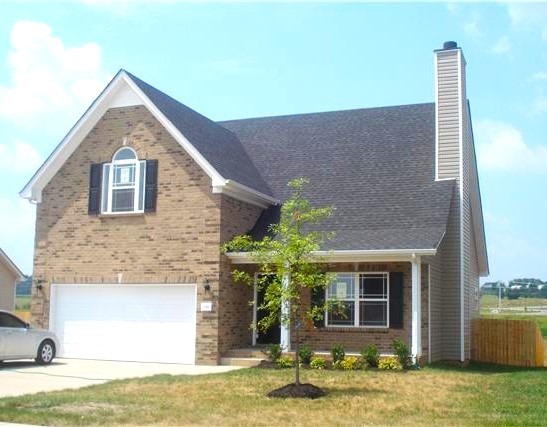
point(438, 395)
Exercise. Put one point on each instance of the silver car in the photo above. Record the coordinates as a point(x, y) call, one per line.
point(20, 341)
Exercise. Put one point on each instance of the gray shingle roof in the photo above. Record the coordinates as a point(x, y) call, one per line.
point(375, 166)
point(217, 144)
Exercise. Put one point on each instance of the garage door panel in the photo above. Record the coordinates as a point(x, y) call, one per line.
point(124, 322)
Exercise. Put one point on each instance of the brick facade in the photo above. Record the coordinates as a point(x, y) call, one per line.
point(354, 339)
point(180, 243)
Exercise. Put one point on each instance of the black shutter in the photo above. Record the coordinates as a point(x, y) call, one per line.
point(95, 175)
point(318, 300)
point(396, 300)
point(151, 187)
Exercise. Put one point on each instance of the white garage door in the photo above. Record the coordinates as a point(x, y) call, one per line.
point(126, 322)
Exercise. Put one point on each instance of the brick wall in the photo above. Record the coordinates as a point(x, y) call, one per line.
point(353, 339)
point(177, 244)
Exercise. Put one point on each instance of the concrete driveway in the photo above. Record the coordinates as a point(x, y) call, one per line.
point(18, 378)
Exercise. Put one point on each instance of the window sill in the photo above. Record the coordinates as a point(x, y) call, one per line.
point(333, 328)
point(116, 214)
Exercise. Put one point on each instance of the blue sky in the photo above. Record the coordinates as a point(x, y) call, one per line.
point(246, 60)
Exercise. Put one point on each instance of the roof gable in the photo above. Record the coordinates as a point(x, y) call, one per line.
point(216, 150)
point(11, 265)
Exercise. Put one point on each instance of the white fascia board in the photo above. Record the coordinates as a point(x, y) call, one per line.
point(383, 255)
point(33, 190)
point(244, 193)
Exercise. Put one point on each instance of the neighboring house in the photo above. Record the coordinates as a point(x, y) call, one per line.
point(134, 203)
point(9, 276)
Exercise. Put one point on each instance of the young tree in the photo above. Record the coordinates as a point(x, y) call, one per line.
point(286, 264)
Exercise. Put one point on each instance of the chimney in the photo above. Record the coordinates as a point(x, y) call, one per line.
point(450, 110)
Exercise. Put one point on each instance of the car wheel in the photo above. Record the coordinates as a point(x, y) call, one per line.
point(46, 353)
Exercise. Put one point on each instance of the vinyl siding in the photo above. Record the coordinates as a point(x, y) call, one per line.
point(448, 118)
point(435, 307)
point(450, 302)
point(7, 288)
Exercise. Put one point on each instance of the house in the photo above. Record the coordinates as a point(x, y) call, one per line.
point(9, 276)
point(135, 201)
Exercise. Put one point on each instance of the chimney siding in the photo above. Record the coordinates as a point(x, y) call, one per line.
point(449, 102)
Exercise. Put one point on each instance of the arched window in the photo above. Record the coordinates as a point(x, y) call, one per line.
point(123, 183)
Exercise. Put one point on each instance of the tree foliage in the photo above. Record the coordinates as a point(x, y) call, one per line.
point(286, 262)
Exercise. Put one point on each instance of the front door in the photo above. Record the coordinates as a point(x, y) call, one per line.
point(273, 334)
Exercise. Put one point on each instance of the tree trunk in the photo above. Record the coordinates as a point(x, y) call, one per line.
point(297, 353)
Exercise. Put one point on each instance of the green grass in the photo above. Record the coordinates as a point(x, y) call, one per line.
point(22, 302)
point(437, 395)
point(491, 301)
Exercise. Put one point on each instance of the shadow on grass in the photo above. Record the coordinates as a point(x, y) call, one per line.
point(352, 391)
point(483, 368)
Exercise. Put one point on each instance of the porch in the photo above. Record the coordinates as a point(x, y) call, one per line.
point(369, 320)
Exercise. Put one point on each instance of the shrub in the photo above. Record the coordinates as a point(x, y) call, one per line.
point(284, 362)
point(318, 363)
point(403, 353)
point(305, 354)
point(371, 355)
point(350, 363)
point(390, 364)
point(337, 352)
point(274, 352)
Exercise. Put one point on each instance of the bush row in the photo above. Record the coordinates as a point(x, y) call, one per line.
point(370, 358)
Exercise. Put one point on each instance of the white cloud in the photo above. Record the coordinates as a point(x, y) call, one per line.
point(19, 157)
point(452, 8)
point(471, 28)
point(17, 219)
point(540, 104)
point(530, 16)
point(48, 77)
point(494, 219)
point(502, 46)
point(540, 76)
point(501, 147)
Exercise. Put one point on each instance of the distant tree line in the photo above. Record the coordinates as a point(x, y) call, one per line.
point(516, 288)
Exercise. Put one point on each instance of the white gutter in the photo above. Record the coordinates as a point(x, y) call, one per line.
point(348, 255)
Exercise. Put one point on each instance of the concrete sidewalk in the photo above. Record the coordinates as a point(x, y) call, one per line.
point(18, 378)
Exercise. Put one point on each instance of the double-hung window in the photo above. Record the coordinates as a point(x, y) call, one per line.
point(123, 183)
point(359, 300)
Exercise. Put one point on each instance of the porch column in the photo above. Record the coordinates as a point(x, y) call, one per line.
point(285, 339)
point(416, 308)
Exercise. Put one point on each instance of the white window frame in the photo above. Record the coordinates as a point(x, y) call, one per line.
point(138, 186)
point(357, 300)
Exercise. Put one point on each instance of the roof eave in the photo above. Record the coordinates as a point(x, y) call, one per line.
point(365, 255)
point(33, 189)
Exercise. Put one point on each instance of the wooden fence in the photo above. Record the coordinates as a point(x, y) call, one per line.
point(507, 342)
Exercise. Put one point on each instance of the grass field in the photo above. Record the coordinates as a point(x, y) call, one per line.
point(437, 395)
point(491, 301)
point(22, 302)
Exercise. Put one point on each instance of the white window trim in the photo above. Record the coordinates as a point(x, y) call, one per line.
point(357, 300)
point(137, 186)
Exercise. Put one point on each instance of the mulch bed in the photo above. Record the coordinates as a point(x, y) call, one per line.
point(306, 391)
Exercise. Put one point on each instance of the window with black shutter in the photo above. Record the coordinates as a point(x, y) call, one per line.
point(126, 185)
point(151, 186)
point(396, 300)
point(94, 207)
point(318, 300)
